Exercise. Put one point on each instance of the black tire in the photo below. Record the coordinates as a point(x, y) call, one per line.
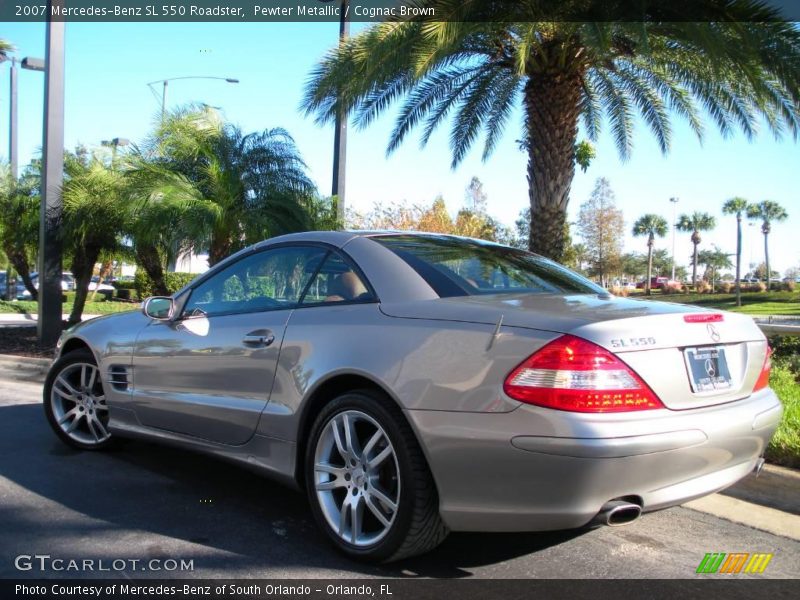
point(417, 527)
point(55, 406)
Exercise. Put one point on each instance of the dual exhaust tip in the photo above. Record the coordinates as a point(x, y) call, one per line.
point(617, 512)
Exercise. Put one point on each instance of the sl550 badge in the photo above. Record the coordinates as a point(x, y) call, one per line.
point(633, 342)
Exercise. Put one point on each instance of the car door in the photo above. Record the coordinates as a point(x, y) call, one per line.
point(208, 373)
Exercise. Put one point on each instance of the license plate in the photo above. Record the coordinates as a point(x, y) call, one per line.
point(708, 369)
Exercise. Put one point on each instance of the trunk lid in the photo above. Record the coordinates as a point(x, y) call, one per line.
point(653, 338)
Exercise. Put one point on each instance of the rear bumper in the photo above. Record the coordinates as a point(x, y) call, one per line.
point(536, 469)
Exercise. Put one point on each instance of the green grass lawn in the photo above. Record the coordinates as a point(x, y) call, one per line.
point(784, 449)
point(99, 307)
point(753, 303)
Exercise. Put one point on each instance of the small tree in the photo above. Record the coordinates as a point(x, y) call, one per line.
point(714, 260)
point(737, 206)
point(650, 225)
point(695, 223)
point(767, 212)
point(601, 226)
point(19, 226)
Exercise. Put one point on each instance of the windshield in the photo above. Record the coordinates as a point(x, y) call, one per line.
point(465, 267)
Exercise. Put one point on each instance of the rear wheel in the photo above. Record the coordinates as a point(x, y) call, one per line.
point(75, 402)
point(368, 483)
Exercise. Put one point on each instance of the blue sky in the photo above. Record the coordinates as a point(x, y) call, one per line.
point(109, 64)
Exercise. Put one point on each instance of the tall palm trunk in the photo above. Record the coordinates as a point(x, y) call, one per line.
point(551, 104)
point(696, 243)
point(765, 231)
point(738, 259)
point(650, 241)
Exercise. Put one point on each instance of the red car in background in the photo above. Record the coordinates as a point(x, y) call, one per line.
point(656, 283)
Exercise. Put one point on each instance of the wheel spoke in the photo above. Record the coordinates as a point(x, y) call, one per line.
point(324, 468)
point(64, 395)
point(83, 377)
point(390, 504)
point(92, 379)
point(356, 518)
point(383, 455)
point(90, 423)
point(338, 439)
point(74, 423)
point(99, 424)
point(350, 437)
point(376, 437)
point(343, 512)
point(61, 380)
point(69, 415)
point(373, 508)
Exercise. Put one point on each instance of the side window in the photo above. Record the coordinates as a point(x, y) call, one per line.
point(337, 281)
point(267, 280)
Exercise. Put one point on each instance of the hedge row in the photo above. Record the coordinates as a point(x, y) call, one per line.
point(144, 285)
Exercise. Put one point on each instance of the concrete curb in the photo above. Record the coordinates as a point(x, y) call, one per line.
point(24, 368)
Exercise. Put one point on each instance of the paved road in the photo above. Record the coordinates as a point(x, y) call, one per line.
point(143, 501)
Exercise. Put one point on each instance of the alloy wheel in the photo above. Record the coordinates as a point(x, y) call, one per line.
point(79, 404)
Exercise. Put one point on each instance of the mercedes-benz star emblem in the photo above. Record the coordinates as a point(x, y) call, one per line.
point(712, 331)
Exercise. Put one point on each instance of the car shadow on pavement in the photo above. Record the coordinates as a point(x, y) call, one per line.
point(164, 501)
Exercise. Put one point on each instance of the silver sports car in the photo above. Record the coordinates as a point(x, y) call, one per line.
point(415, 384)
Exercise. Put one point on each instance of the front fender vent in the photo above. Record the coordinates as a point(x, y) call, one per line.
point(119, 378)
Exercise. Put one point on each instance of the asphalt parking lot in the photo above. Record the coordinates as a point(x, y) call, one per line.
point(144, 501)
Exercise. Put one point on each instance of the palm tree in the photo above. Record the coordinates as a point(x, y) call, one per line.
point(258, 181)
point(480, 60)
point(94, 218)
point(714, 260)
point(767, 212)
point(737, 206)
point(6, 47)
point(19, 227)
point(695, 223)
point(650, 225)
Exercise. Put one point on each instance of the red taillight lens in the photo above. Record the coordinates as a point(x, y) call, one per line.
point(763, 378)
point(573, 374)
point(704, 318)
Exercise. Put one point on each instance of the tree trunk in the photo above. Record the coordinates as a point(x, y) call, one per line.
point(738, 259)
point(649, 265)
point(219, 250)
point(83, 262)
point(104, 269)
point(695, 243)
point(766, 260)
point(20, 263)
point(551, 102)
point(150, 261)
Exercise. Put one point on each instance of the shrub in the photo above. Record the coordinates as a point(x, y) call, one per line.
point(619, 290)
point(726, 287)
point(702, 287)
point(789, 285)
point(756, 287)
point(174, 281)
point(672, 288)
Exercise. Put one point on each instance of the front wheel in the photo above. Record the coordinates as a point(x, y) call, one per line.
point(368, 483)
point(75, 403)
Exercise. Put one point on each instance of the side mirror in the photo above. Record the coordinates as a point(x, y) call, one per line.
point(159, 308)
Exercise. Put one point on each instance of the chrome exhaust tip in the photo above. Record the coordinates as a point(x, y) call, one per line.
point(759, 466)
point(618, 512)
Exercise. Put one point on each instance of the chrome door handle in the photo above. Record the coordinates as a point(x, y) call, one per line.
point(258, 339)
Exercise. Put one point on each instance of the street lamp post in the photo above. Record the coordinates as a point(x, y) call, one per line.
point(165, 82)
point(49, 323)
point(340, 133)
point(674, 202)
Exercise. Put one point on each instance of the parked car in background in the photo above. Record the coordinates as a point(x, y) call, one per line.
point(415, 384)
point(67, 285)
point(96, 284)
point(656, 283)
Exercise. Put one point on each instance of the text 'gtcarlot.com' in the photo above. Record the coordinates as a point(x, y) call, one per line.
point(45, 562)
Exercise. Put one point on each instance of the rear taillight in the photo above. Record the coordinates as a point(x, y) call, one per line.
point(763, 377)
point(573, 374)
point(704, 318)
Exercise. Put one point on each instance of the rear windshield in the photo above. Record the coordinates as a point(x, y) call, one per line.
point(465, 267)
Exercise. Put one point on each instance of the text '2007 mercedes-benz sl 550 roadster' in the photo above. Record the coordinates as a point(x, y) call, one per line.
point(415, 384)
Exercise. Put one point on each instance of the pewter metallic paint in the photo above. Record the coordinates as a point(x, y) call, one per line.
point(499, 465)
